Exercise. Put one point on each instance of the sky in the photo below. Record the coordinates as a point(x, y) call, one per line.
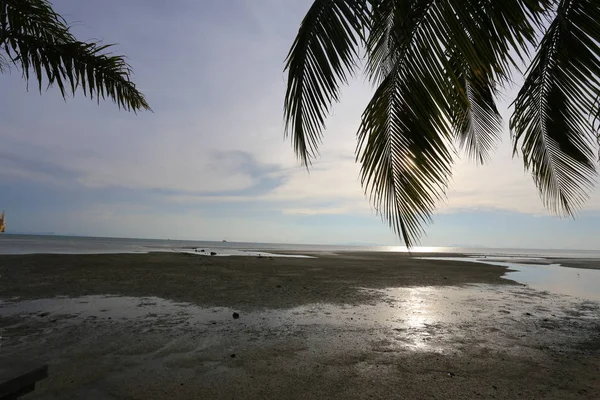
point(211, 162)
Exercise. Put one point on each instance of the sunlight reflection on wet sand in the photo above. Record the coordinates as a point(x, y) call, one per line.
point(419, 318)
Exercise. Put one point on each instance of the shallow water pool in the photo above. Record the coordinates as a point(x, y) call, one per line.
point(554, 278)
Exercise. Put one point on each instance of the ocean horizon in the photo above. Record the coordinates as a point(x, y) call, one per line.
point(59, 244)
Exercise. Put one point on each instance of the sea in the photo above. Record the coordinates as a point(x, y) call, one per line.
point(54, 244)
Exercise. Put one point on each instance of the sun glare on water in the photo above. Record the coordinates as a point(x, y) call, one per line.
point(417, 249)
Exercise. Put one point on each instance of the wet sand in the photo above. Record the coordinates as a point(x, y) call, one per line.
point(241, 282)
point(327, 327)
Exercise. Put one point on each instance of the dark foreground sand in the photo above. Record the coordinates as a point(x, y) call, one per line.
point(308, 329)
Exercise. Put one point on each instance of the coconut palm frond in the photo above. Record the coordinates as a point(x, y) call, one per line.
point(479, 125)
point(38, 41)
point(501, 33)
point(552, 122)
point(497, 38)
point(403, 139)
point(455, 31)
point(440, 87)
point(405, 161)
point(321, 58)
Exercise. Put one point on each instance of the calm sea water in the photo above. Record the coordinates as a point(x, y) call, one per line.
point(30, 244)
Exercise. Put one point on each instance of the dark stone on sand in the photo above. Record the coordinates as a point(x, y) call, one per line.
point(236, 315)
point(212, 253)
point(232, 355)
point(44, 314)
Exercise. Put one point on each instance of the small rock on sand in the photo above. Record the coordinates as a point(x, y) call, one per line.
point(236, 315)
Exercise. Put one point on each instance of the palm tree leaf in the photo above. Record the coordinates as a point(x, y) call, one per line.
point(552, 121)
point(422, 102)
point(322, 56)
point(500, 32)
point(479, 36)
point(477, 122)
point(38, 40)
point(405, 160)
point(432, 95)
point(381, 45)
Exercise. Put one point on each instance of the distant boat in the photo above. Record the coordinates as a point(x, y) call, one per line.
point(224, 241)
point(2, 223)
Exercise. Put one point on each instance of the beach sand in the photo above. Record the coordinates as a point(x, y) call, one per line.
point(320, 328)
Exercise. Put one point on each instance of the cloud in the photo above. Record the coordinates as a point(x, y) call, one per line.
point(341, 209)
point(17, 167)
point(501, 184)
point(168, 166)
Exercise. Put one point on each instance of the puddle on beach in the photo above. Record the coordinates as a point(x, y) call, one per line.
point(222, 252)
point(420, 318)
point(554, 278)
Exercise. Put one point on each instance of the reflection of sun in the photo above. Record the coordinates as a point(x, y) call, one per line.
point(419, 312)
point(417, 249)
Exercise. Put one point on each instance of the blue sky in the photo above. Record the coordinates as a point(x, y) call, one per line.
point(211, 161)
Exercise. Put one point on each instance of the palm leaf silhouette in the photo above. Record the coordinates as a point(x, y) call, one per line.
point(437, 66)
point(38, 41)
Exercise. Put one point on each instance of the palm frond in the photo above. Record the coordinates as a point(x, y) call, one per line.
point(438, 81)
point(497, 38)
point(406, 161)
point(478, 123)
point(381, 45)
point(501, 33)
point(480, 36)
point(440, 87)
point(38, 41)
point(552, 121)
point(405, 133)
point(322, 56)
